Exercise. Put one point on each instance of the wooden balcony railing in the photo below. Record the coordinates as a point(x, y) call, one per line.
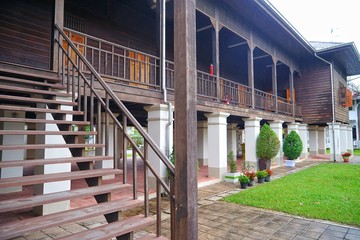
point(138, 69)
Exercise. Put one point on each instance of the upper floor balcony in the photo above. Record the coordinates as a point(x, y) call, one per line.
point(127, 66)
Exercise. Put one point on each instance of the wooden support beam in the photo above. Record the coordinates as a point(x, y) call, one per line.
point(204, 28)
point(237, 44)
point(274, 82)
point(186, 216)
point(251, 73)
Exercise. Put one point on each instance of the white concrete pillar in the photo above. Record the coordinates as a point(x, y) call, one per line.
point(52, 168)
point(217, 141)
point(313, 139)
point(293, 127)
point(350, 142)
point(343, 138)
point(304, 135)
point(202, 143)
point(252, 130)
point(157, 120)
point(232, 139)
point(276, 126)
point(334, 137)
point(12, 155)
point(321, 140)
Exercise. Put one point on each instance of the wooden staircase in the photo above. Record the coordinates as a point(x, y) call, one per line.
point(35, 94)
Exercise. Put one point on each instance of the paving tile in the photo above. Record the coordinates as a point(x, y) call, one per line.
point(352, 237)
point(233, 236)
point(319, 225)
point(300, 221)
point(326, 237)
point(309, 234)
point(338, 228)
point(207, 236)
point(258, 235)
point(298, 237)
point(274, 225)
point(283, 235)
point(354, 231)
point(266, 230)
point(333, 233)
point(312, 228)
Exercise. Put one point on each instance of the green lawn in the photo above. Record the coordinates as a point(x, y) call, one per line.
point(356, 151)
point(327, 191)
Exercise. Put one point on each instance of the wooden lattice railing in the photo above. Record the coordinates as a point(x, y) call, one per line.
point(94, 97)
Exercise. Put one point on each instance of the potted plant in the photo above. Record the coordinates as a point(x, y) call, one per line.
point(233, 175)
point(268, 177)
point(244, 181)
point(346, 155)
point(251, 175)
point(261, 175)
point(267, 146)
point(292, 148)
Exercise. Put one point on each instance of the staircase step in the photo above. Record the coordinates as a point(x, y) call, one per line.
point(36, 132)
point(152, 237)
point(32, 82)
point(33, 90)
point(15, 229)
point(25, 71)
point(32, 120)
point(42, 110)
point(54, 177)
point(43, 146)
point(37, 200)
point(113, 229)
point(36, 100)
point(38, 162)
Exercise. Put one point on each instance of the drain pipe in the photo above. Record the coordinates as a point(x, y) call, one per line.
point(332, 101)
point(163, 74)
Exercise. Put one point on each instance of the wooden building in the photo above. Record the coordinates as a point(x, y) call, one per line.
point(74, 74)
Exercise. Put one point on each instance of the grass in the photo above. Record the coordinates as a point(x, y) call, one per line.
point(356, 151)
point(327, 191)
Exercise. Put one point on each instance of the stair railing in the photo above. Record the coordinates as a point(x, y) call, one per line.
point(89, 88)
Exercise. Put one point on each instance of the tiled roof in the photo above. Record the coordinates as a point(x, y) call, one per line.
point(323, 45)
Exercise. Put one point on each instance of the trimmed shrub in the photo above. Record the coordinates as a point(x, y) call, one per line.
point(267, 143)
point(292, 146)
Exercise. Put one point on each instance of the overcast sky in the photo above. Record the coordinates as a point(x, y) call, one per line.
point(323, 20)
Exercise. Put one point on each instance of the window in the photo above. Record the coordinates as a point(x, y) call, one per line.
point(139, 69)
point(79, 42)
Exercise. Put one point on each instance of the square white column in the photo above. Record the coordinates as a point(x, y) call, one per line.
point(334, 137)
point(252, 130)
point(217, 141)
point(12, 155)
point(350, 142)
point(202, 143)
point(276, 126)
point(158, 116)
point(293, 127)
point(321, 140)
point(304, 135)
point(343, 138)
point(232, 139)
point(313, 139)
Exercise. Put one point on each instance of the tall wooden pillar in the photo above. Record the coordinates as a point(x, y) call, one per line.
point(58, 20)
point(274, 82)
point(216, 50)
point(186, 216)
point(291, 79)
point(251, 73)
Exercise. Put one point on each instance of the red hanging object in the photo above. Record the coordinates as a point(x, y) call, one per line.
point(211, 69)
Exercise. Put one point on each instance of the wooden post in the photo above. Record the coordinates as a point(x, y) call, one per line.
point(274, 82)
point(251, 73)
point(58, 20)
point(291, 79)
point(186, 216)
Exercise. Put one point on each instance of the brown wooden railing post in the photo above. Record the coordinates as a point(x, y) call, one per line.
point(124, 123)
point(135, 194)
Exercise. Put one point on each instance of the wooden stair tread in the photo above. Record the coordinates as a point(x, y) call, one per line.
point(54, 177)
point(37, 200)
point(113, 229)
point(15, 229)
point(33, 82)
point(152, 237)
point(33, 90)
point(42, 110)
point(36, 100)
point(37, 162)
point(32, 120)
point(25, 71)
point(43, 146)
point(36, 132)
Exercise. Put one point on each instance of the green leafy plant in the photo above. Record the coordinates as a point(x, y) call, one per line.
point(292, 146)
point(261, 174)
point(231, 162)
point(244, 179)
point(267, 146)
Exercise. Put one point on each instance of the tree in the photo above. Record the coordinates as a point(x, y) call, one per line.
point(292, 146)
point(267, 146)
